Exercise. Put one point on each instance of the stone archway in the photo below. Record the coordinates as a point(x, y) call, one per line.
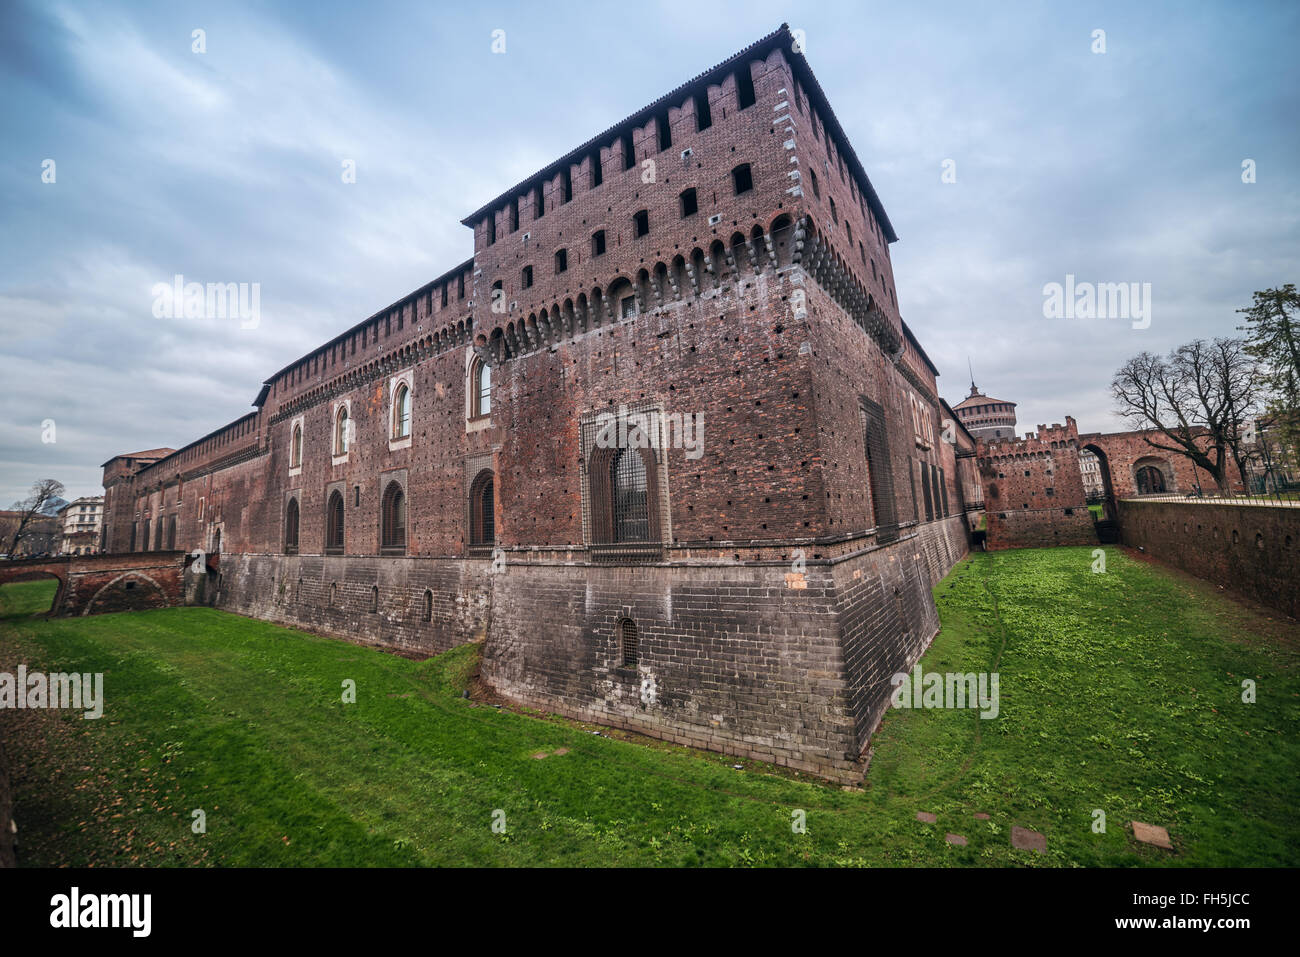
point(1103, 462)
point(1153, 475)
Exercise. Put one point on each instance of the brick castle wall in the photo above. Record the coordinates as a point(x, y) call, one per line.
point(1253, 550)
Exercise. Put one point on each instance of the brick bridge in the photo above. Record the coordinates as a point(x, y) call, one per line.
point(93, 584)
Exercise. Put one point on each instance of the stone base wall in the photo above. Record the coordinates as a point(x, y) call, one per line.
point(779, 663)
point(336, 595)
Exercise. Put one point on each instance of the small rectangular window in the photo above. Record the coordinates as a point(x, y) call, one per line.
point(690, 205)
point(629, 153)
point(642, 221)
point(514, 215)
point(703, 116)
point(597, 175)
point(460, 286)
point(566, 186)
point(539, 203)
point(491, 228)
point(561, 260)
point(742, 178)
point(744, 87)
point(598, 243)
point(444, 295)
point(527, 278)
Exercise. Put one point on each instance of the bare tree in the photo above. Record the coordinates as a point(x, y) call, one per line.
point(31, 509)
point(1199, 399)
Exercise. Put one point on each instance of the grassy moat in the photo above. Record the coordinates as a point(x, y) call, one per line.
point(1120, 692)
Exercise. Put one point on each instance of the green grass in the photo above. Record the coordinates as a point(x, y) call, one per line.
point(1098, 511)
point(1119, 691)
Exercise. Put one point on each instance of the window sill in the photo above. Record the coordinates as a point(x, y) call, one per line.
point(402, 443)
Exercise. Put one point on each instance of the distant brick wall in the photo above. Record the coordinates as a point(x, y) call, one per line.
point(1041, 528)
point(95, 584)
point(1253, 550)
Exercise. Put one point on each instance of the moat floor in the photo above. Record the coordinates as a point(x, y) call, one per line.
point(1120, 693)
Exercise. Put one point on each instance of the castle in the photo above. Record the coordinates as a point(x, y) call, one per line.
point(663, 443)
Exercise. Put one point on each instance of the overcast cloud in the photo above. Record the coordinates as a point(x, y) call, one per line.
point(225, 166)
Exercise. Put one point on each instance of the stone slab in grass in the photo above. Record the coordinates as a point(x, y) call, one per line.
point(926, 817)
point(1152, 834)
point(955, 839)
point(981, 816)
point(1027, 840)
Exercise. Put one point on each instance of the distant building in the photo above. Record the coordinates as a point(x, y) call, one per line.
point(1090, 468)
point(82, 520)
point(989, 419)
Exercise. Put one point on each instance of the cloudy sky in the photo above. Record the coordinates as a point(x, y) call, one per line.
point(224, 166)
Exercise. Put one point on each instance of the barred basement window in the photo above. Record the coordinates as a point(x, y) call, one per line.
point(482, 509)
point(628, 642)
point(393, 518)
point(291, 528)
point(334, 523)
point(427, 612)
point(631, 514)
point(880, 473)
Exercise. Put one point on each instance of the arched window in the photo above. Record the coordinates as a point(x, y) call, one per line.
point(374, 598)
point(1150, 480)
point(482, 509)
point(334, 594)
point(402, 412)
point(291, 528)
point(629, 643)
point(295, 448)
point(426, 613)
point(342, 431)
point(334, 523)
point(393, 518)
point(628, 482)
point(480, 388)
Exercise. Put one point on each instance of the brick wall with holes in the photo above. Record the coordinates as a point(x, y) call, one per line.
point(1253, 550)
